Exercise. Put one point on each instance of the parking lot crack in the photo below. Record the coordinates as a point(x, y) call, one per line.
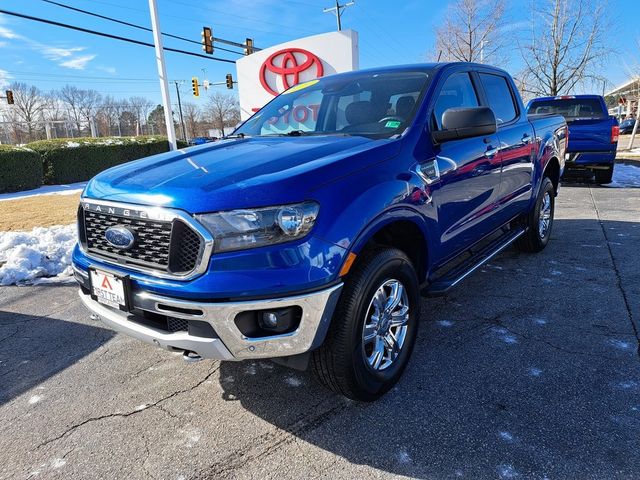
point(616, 270)
point(155, 404)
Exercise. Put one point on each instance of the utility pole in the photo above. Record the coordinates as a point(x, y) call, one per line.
point(162, 74)
point(184, 130)
point(338, 11)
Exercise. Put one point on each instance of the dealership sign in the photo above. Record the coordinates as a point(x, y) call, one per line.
point(266, 73)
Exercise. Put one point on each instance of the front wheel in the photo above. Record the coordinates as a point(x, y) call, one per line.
point(540, 220)
point(374, 328)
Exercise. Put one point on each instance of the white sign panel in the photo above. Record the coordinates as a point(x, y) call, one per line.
point(264, 74)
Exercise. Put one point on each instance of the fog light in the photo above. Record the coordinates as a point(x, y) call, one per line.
point(269, 320)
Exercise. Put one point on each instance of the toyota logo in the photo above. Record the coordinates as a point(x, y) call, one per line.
point(286, 65)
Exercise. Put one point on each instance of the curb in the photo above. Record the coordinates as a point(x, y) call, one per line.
point(635, 161)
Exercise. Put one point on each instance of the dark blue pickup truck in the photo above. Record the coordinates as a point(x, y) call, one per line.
point(309, 234)
point(593, 133)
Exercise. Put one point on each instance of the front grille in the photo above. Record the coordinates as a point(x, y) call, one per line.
point(166, 246)
point(177, 324)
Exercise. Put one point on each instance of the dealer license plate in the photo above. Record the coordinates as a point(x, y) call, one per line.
point(108, 289)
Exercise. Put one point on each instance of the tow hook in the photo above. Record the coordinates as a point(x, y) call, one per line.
point(191, 357)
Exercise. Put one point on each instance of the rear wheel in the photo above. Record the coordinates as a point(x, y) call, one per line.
point(540, 220)
point(604, 176)
point(374, 328)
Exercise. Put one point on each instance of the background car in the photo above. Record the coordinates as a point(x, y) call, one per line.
point(201, 140)
point(626, 127)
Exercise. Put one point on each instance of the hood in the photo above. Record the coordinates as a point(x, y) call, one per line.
point(241, 173)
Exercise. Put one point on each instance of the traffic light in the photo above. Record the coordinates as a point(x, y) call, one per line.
point(229, 81)
point(195, 87)
point(248, 46)
point(9, 97)
point(207, 40)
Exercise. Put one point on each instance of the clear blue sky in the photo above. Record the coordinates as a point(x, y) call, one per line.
point(391, 32)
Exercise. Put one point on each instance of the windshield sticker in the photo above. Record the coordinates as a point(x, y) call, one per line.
point(392, 124)
point(301, 86)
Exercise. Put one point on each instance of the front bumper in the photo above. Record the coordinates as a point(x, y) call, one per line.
point(226, 341)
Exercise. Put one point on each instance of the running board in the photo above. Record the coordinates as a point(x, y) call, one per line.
point(454, 276)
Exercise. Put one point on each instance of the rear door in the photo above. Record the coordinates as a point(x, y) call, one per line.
point(469, 173)
point(516, 144)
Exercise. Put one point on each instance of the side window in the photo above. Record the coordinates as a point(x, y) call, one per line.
point(499, 96)
point(457, 91)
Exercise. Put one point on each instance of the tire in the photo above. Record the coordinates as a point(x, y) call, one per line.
point(537, 236)
point(604, 176)
point(346, 362)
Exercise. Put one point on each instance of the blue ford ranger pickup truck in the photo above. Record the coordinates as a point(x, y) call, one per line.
point(309, 234)
point(593, 133)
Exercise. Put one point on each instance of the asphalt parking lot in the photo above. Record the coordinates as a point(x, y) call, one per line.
point(530, 369)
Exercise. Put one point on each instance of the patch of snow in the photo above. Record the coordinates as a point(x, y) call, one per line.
point(621, 344)
point(628, 385)
point(404, 457)
point(43, 252)
point(293, 381)
point(506, 436)
point(506, 336)
point(141, 407)
point(625, 176)
point(539, 321)
point(445, 323)
point(58, 463)
point(507, 471)
point(69, 189)
point(556, 273)
point(535, 372)
point(34, 399)
point(72, 144)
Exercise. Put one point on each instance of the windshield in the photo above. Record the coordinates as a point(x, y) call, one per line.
point(569, 108)
point(376, 105)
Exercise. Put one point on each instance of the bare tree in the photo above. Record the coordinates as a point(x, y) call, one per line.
point(470, 32)
point(72, 97)
point(566, 46)
point(29, 104)
point(223, 110)
point(89, 105)
point(192, 118)
point(140, 106)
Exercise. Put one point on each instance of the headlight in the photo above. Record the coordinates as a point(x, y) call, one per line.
point(242, 229)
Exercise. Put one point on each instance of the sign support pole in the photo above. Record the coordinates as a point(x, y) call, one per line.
point(162, 75)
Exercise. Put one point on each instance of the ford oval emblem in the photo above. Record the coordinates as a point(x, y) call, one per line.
point(120, 237)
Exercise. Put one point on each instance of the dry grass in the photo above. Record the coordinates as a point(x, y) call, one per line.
point(38, 211)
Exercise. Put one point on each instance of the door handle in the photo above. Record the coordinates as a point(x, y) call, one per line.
point(526, 138)
point(491, 152)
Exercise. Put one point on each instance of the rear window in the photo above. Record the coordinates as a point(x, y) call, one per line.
point(570, 108)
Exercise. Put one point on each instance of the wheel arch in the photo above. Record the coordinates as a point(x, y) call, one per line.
point(403, 230)
point(552, 170)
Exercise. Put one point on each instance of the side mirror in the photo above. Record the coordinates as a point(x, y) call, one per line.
point(459, 123)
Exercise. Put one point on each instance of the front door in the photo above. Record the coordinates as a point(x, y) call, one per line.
point(469, 174)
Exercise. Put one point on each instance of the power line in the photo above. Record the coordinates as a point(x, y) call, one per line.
point(109, 35)
point(129, 24)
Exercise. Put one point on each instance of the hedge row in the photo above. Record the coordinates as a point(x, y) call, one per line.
point(20, 169)
point(63, 161)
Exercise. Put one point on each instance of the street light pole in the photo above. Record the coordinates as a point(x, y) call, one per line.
point(162, 74)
